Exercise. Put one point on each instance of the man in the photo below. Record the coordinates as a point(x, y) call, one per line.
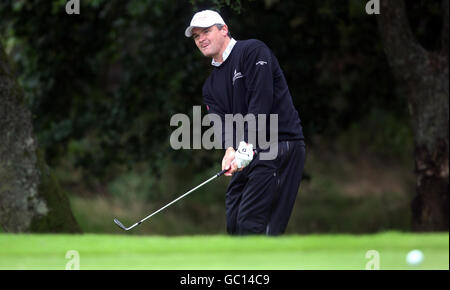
point(247, 79)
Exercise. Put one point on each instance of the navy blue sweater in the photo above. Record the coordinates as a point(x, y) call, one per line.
point(250, 81)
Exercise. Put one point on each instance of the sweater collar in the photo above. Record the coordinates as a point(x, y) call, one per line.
point(225, 53)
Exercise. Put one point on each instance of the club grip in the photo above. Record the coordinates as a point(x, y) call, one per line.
point(222, 172)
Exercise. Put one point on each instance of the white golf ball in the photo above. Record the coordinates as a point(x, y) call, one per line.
point(414, 258)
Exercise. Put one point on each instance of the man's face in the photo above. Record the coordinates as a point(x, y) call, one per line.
point(210, 40)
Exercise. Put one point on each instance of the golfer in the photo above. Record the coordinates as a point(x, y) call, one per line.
point(247, 79)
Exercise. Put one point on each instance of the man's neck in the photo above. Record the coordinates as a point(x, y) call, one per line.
point(219, 57)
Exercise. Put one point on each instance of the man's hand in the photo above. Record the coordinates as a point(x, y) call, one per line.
point(237, 160)
point(244, 154)
point(228, 161)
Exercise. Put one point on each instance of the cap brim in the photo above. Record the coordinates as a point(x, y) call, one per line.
point(188, 31)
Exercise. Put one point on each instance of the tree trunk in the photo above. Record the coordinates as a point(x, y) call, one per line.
point(30, 198)
point(423, 76)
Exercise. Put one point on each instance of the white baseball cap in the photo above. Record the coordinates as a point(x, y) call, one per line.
point(205, 18)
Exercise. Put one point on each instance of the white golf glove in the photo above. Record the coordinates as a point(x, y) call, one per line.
point(244, 154)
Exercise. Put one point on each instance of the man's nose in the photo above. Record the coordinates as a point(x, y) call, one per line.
point(201, 37)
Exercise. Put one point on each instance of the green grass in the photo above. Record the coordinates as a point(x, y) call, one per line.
point(31, 251)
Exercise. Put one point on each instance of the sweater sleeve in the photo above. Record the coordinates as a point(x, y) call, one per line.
point(260, 89)
point(219, 129)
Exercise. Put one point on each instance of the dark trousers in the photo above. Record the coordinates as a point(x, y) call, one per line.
point(260, 198)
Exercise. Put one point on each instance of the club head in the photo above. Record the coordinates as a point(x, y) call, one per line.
point(120, 225)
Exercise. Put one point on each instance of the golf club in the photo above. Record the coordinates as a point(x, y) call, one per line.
point(195, 188)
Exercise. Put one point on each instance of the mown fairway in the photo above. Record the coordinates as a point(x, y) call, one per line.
point(221, 252)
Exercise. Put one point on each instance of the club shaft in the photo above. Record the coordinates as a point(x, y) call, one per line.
point(175, 200)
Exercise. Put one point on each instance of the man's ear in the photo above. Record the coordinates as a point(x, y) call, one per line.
point(224, 30)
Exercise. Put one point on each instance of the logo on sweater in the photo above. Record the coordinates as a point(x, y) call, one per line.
point(261, 62)
point(237, 75)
